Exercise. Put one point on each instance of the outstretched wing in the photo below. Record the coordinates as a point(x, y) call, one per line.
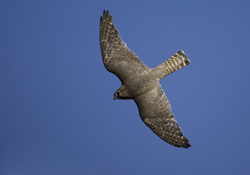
point(155, 111)
point(117, 57)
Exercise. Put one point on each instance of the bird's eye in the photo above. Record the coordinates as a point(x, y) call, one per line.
point(118, 93)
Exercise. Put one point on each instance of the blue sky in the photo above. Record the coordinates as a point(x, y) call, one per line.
point(57, 113)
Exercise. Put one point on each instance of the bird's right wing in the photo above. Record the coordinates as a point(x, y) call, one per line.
point(156, 113)
point(117, 57)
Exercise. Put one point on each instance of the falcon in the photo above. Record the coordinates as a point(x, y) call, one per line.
point(141, 83)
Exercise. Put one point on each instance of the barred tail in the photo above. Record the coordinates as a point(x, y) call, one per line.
point(174, 63)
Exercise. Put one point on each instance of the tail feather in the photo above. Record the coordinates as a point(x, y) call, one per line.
point(174, 63)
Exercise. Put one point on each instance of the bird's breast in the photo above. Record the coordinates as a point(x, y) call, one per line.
point(139, 86)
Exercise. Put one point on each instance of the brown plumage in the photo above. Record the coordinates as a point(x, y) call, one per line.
point(141, 83)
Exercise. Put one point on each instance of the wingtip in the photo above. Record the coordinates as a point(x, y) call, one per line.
point(106, 16)
point(182, 145)
point(106, 12)
point(186, 145)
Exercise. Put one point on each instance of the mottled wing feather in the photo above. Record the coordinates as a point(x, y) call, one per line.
point(158, 116)
point(117, 57)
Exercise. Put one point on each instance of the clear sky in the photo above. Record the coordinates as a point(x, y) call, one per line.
point(57, 113)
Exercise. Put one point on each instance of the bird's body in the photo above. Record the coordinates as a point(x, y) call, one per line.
point(141, 83)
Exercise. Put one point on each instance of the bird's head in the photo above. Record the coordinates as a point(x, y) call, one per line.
point(122, 93)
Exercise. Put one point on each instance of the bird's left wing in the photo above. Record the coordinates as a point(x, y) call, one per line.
point(117, 57)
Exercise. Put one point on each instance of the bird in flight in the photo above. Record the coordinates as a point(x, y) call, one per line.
point(141, 83)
